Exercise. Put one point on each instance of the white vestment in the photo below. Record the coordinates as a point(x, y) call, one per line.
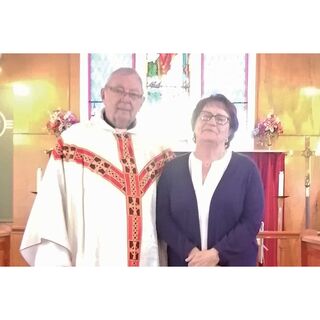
point(94, 209)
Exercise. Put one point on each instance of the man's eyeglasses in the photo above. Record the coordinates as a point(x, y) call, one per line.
point(120, 92)
point(220, 119)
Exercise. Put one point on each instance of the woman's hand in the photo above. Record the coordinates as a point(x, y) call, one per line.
point(205, 258)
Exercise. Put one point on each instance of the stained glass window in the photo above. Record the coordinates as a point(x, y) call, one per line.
point(101, 66)
point(227, 74)
point(167, 88)
point(167, 74)
point(174, 83)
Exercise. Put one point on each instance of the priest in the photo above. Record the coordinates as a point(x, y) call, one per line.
point(96, 204)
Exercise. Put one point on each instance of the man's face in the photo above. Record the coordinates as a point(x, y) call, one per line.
point(123, 98)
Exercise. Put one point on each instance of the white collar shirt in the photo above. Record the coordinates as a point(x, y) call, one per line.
point(204, 191)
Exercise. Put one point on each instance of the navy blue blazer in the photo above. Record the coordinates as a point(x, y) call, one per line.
point(235, 215)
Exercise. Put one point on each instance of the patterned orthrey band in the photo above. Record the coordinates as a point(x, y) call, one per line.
point(129, 181)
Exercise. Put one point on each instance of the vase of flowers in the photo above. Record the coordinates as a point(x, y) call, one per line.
point(268, 129)
point(60, 120)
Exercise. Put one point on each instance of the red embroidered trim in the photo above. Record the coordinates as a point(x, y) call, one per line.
point(128, 181)
point(133, 198)
point(152, 169)
point(90, 160)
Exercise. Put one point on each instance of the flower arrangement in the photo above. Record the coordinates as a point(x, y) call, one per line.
point(268, 128)
point(60, 120)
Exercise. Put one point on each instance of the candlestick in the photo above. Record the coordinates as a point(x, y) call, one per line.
point(38, 177)
point(280, 217)
point(281, 184)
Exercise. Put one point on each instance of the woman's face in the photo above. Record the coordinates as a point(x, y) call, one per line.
point(213, 124)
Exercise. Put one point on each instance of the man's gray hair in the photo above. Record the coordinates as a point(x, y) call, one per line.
point(124, 71)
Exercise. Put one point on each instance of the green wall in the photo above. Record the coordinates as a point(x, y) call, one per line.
point(6, 156)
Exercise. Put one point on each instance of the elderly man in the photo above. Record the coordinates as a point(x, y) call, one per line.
point(96, 204)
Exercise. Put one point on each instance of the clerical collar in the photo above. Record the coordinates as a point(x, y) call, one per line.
point(132, 125)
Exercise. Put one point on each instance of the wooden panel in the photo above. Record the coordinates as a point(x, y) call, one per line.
point(288, 244)
point(281, 79)
point(52, 81)
point(310, 254)
point(289, 254)
point(4, 245)
point(41, 83)
point(29, 154)
point(16, 259)
point(4, 251)
point(310, 249)
point(75, 84)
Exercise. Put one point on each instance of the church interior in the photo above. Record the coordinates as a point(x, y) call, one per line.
point(278, 103)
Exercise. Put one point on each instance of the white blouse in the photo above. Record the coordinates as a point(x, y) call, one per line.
point(204, 191)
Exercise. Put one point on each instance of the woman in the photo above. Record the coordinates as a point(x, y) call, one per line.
point(210, 202)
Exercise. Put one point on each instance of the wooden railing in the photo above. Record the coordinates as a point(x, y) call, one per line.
point(293, 248)
point(288, 246)
point(278, 235)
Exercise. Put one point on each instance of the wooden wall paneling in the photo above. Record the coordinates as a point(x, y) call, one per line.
point(75, 84)
point(279, 83)
point(294, 212)
point(288, 244)
point(53, 80)
point(29, 154)
point(46, 77)
point(310, 248)
point(280, 78)
point(16, 259)
point(310, 254)
point(282, 82)
point(289, 252)
point(4, 245)
point(4, 250)
point(315, 186)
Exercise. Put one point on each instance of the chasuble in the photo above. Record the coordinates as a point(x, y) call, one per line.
point(96, 203)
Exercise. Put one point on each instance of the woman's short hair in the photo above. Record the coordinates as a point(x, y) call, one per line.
point(228, 106)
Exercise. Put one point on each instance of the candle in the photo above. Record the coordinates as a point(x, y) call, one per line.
point(281, 184)
point(307, 192)
point(39, 176)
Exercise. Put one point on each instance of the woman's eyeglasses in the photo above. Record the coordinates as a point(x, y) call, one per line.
point(219, 119)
